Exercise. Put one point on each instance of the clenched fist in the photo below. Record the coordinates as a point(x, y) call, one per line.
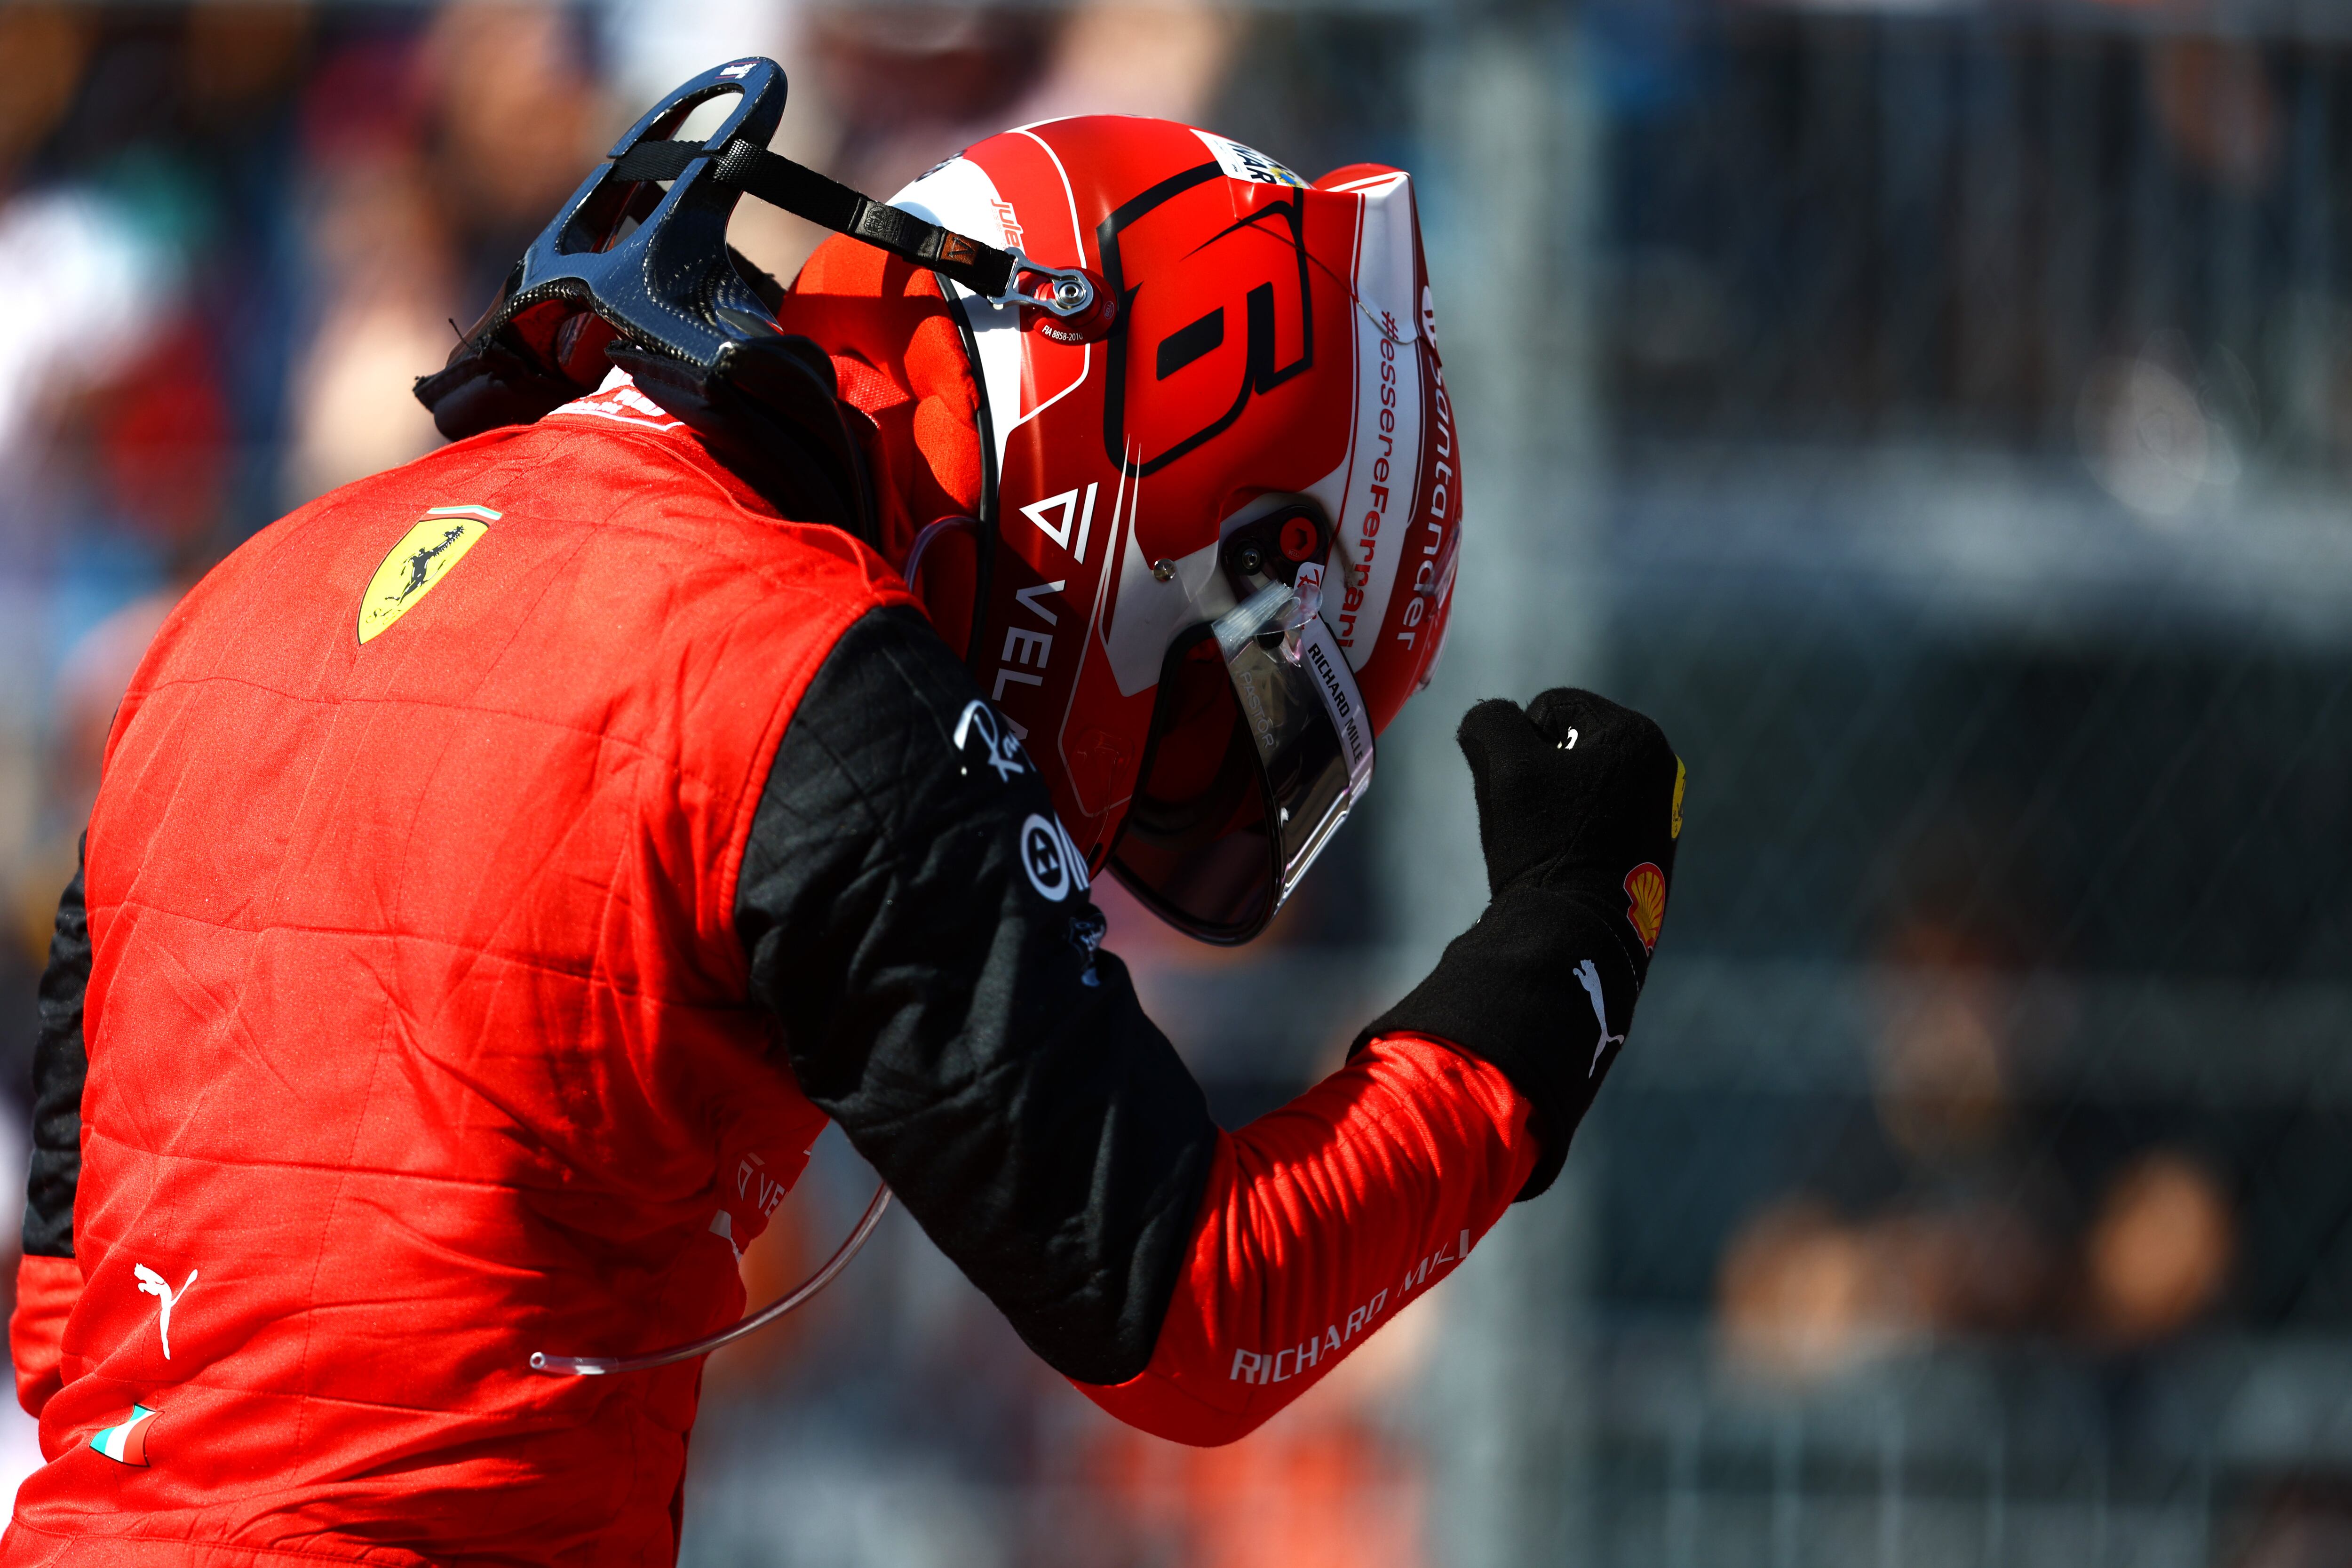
point(1580, 811)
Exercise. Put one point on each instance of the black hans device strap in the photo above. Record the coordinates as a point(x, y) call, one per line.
point(744, 165)
point(636, 271)
point(739, 162)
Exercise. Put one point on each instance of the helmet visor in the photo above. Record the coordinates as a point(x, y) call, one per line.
point(1260, 746)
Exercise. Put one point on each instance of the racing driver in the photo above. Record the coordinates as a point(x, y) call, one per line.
point(506, 866)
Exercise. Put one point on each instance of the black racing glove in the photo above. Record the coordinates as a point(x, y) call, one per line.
point(1580, 806)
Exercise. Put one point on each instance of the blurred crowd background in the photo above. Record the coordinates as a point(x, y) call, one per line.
point(1938, 413)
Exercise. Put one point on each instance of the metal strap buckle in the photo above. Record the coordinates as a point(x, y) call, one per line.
point(1069, 290)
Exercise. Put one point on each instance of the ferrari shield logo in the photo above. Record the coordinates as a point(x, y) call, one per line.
point(421, 559)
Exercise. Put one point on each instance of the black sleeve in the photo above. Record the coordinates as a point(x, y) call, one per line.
point(917, 922)
point(60, 1062)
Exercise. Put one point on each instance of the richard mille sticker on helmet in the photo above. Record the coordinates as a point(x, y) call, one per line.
point(1340, 698)
point(417, 564)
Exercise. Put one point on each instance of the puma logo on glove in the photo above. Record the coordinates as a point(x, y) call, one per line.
point(1590, 978)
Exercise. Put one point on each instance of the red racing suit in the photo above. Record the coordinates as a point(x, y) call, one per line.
point(431, 999)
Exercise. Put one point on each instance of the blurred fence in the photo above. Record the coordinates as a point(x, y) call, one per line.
point(1943, 441)
point(1973, 385)
point(1848, 226)
point(1936, 416)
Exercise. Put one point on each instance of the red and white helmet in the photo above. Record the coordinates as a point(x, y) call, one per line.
point(1264, 433)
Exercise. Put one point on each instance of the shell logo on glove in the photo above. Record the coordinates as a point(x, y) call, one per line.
point(1645, 886)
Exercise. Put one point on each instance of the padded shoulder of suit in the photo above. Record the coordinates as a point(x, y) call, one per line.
point(579, 572)
point(647, 488)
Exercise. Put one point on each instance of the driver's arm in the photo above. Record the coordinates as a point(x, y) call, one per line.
point(945, 1002)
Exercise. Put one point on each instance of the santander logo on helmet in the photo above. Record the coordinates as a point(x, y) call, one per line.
point(1263, 431)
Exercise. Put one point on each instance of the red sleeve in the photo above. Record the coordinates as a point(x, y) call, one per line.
point(1319, 1222)
point(47, 1289)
